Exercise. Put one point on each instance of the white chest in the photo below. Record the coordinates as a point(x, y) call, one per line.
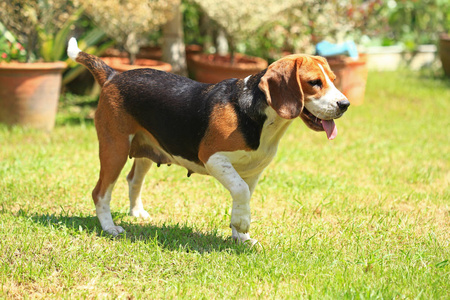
point(251, 163)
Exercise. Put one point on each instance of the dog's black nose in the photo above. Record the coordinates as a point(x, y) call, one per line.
point(343, 104)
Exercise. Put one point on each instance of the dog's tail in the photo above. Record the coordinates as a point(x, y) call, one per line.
point(101, 71)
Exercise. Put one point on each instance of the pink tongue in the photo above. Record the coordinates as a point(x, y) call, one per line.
point(330, 128)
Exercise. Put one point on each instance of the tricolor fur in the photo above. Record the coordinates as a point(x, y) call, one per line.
point(229, 130)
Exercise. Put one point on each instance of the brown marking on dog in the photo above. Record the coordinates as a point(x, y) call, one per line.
point(282, 87)
point(286, 83)
point(309, 72)
point(222, 134)
point(101, 71)
point(114, 127)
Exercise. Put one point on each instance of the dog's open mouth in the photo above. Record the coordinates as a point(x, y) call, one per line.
point(317, 124)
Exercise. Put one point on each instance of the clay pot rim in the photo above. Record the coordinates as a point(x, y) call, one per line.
point(253, 62)
point(56, 65)
point(345, 60)
point(444, 36)
point(444, 40)
point(122, 63)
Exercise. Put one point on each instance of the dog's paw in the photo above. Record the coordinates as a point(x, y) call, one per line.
point(243, 238)
point(241, 219)
point(114, 230)
point(139, 213)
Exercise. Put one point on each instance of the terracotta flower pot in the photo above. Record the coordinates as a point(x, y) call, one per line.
point(122, 64)
point(150, 52)
point(210, 68)
point(444, 52)
point(155, 52)
point(351, 76)
point(29, 93)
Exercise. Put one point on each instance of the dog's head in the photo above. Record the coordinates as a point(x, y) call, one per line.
point(302, 85)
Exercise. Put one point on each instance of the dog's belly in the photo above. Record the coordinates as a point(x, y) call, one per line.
point(143, 144)
point(192, 167)
point(246, 163)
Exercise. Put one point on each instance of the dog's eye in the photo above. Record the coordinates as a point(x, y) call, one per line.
point(316, 82)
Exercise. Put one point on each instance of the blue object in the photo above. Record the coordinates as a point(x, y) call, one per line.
point(325, 48)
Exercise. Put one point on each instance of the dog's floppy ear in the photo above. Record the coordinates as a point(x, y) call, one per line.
point(282, 87)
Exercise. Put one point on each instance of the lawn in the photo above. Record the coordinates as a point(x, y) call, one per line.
point(365, 216)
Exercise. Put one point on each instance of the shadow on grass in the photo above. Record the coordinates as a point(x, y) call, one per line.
point(175, 237)
point(64, 121)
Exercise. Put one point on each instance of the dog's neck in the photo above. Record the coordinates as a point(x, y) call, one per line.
point(254, 103)
point(275, 126)
point(251, 99)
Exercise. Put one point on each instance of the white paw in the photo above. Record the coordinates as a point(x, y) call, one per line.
point(114, 230)
point(240, 219)
point(139, 213)
point(242, 237)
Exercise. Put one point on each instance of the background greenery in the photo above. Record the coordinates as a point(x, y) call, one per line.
point(298, 29)
point(365, 216)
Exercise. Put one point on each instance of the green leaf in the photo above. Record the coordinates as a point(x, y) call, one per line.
point(443, 263)
point(60, 41)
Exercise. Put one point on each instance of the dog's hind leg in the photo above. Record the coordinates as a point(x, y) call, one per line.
point(135, 180)
point(113, 156)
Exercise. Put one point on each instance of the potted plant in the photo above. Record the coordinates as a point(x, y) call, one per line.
point(179, 38)
point(238, 20)
point(31, 65)
point(77, 79)
point(128, 23)
point(415, 26)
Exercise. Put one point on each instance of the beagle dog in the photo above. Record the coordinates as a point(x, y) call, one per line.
point(229, 130)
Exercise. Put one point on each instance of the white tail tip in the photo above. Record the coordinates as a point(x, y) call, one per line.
point(72, 48)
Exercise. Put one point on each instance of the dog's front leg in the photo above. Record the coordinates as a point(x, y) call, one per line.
point(219, 166)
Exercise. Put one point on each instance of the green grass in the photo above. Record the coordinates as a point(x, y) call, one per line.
point(366, 216)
